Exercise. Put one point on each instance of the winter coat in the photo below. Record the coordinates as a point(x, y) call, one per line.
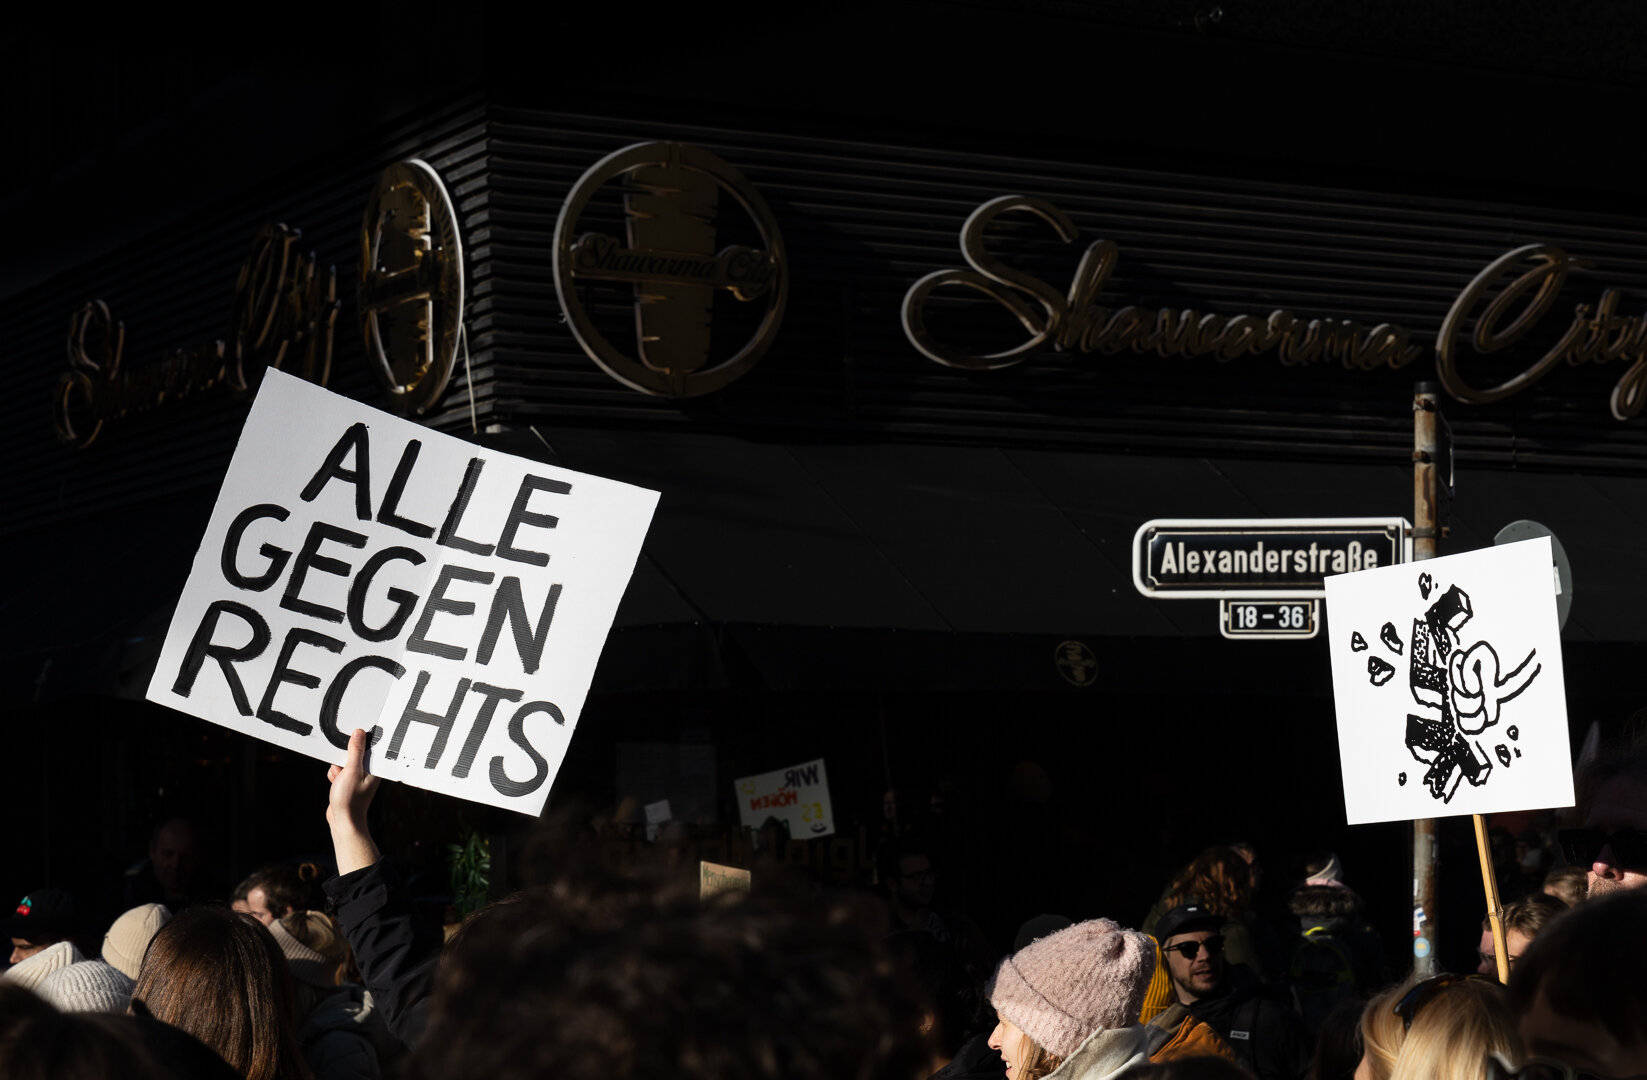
point(1108, 1052)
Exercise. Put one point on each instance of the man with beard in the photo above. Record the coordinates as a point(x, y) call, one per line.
point(1613, 842)
point(1267, 1037)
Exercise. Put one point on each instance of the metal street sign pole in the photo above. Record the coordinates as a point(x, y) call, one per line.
point(1426, 534)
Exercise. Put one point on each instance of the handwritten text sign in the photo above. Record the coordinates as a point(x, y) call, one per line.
point(1448, 682)
point(364, 571)
point(713, 879)
point(798, 796)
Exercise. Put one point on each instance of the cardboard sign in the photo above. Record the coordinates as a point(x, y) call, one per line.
point(1448, 684)
point(713, 878)
point(364, 571)
point(798, 796)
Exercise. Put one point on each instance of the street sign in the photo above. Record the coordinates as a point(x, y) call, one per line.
point(1517, 531)
point(1296, 619)
point(1258, 558)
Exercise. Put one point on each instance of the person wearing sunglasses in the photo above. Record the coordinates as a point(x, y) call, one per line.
point(1612, 845)
point(1579, 993)
point(1267, 1037)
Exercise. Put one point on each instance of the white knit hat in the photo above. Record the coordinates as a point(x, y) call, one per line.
point(128, 938)
point(89, 986)
point(52, 958)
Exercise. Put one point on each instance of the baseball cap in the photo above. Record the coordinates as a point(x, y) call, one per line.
point(42, 915)
point(1184, 918)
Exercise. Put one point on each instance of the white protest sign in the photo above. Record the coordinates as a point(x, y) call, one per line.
point(360, 570)
point(1448, 684)
point(798, 795)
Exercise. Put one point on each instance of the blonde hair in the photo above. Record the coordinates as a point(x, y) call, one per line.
point(320, 932)
point(1382, 1032)
point(1453, 1033)
point(1037, 1063)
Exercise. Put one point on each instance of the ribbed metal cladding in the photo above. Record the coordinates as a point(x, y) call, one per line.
point(861, 223)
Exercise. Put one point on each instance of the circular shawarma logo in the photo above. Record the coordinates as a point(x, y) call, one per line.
point(700, 292)
point(1076, 663)
point(411, 285)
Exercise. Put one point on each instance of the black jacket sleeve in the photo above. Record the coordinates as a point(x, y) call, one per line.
point(397, 955)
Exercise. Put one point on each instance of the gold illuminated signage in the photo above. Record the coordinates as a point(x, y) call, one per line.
point(669, 267)
point(1506, 301)
point(411, 285)
point(282, 315)
point(1074, 321)
point(1510, 297)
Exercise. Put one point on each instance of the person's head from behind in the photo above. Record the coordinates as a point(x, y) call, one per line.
point(1454, 1023)
point(219, 975)
point(954, 996)
point(1523, 921)
point(1218, 879)
point(174, 854)
point(589, 980)
point(1192, 946)
point(78, 1046)
point(1580, 991)
point(1053, 995)
point(274, 891)
point(1569, 884)
point(1612, 843)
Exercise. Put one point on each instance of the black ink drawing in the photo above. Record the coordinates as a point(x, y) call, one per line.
point(1460, 690)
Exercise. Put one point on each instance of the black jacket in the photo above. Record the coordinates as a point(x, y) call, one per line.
point(396, 954)
point(1267, 1036)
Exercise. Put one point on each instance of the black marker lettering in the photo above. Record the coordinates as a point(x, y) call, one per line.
point(517, 735)
point(460, 505)
point(319, 533)
point(353, 441)
point(397, 487)
point(231, 541)
point(442, 724)
point(403, 600)
point(437, 602)
point(507, 601)
point(471, 745)
point(332, 705)
point(284, 673)
point(519, 515)
point(201, 647)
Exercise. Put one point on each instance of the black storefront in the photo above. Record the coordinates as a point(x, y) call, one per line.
point(917, 566)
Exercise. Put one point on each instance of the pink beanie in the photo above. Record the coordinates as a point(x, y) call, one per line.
point(1062, 988)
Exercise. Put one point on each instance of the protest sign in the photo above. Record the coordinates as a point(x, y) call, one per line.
point(797, 796)
point(360, 570)
point(1448, 684)
point(714, 878)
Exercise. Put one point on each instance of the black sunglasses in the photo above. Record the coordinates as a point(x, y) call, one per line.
point(1190, 949)
point(1582, 846)
point(1414, 1000)
point(1534, 1069)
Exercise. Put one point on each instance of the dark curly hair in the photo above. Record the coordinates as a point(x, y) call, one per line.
point(619, 980)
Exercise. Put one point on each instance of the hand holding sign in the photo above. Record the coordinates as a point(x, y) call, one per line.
point(352, 790)
point(456, 611)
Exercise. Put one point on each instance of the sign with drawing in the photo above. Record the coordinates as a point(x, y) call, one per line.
point(1448, 684)
point(360, 570)
point(798, 796)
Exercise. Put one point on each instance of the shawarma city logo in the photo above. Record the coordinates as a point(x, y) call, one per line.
point(673, 194)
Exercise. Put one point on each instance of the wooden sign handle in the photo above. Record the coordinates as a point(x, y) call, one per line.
point(1495, 910)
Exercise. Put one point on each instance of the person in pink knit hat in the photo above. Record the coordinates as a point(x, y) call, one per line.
point(1068, 1003)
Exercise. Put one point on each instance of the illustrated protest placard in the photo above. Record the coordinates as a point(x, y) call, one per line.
point(360, 570)
point(1448, 684)
point(798, 796)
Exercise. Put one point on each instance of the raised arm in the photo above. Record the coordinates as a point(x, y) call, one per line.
point(352, 791)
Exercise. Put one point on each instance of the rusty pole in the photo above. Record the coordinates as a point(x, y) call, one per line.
point(1426, 534)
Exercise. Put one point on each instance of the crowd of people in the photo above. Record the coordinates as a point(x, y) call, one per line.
point(627, 972)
